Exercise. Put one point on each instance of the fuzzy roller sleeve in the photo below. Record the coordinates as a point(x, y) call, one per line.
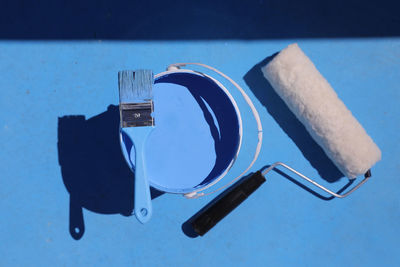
point(311, 98)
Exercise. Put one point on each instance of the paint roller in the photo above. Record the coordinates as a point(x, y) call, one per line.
point(314, 102)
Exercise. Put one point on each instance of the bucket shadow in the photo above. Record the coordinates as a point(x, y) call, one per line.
point(277, 108)
point(93, 168)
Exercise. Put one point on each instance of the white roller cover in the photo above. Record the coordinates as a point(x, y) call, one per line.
point(314, 102)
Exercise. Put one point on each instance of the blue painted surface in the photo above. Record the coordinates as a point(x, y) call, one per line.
point(280, 224)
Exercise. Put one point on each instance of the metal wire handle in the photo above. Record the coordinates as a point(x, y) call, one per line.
point(366, 177)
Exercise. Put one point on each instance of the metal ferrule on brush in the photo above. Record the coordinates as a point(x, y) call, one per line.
point(137, 114)
point(136, 98)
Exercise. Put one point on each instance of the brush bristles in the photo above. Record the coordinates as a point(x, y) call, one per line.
point(135, 86)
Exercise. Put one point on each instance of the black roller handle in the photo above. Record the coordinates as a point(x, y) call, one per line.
point(226, 202)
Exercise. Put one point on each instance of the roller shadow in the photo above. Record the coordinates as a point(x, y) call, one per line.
point(277, 108)
point(93, 168)
point(307, 188)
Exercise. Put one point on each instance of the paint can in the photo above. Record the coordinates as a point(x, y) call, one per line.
point(197, 135)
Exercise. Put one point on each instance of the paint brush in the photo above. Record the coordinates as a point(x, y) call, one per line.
point(136, 108)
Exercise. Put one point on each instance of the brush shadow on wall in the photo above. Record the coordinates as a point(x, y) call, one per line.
point(197, 20)
point(93, 168)
point(277, 108)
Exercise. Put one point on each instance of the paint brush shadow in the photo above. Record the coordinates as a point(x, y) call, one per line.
point(93, 168)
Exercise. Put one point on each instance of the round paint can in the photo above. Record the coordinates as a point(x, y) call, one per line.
point(197, 134)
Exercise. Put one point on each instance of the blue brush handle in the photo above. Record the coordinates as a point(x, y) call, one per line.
point(143, 208)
